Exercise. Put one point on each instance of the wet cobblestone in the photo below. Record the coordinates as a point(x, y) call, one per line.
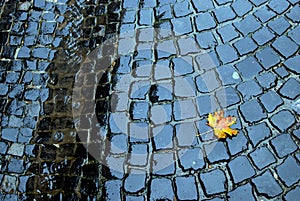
point(152, 103)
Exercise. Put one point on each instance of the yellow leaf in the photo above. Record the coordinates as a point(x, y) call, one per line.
point(221, 124)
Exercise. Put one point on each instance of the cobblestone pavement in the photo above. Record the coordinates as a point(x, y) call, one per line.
point(151, 103)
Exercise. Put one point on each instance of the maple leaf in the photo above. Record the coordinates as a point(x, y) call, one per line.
point(221, 124)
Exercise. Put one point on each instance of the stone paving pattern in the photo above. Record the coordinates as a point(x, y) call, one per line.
point(253, 47)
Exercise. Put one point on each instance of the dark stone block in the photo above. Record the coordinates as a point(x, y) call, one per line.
point(182, 8)
point(266, 185)
point(226, 53)
point(263, 36)
point(237, 144)
point(243, 192)
point(186, 140)
point(207, 82)
point(285, 46)
point(182, 25)
point(292, 64)
point(245, 46)
point(248, 25)
point(279, 25)
point(249, 89)
point(267, 57)
point(249, 67)
point(204, 21)
point(271, 101)
point(279, 6)
point(241, 7)
point(267, 80)
point(214, 182)
point(224, 14)
point(283, 120)
point(186, 188)
point(262, 157)
point(289, 171)
point(252, 111)
point(161, 189)
point(184, 109)
point(163, 164)
point(227, 33)
point(191, 159)
point(206, 40)
point(163, 137)
point(283, 144)
point(216, 152)
point(240, 169)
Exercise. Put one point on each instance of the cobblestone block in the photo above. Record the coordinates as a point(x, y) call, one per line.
point(164, 12)
point(9, 184)
point(135, 181)
point(258, 2)
point(16, 149)
point(245, 46)
point(221, 2)
point(160, 114)
point(112, 189)
point(182, 25)
point(292, 63)
point(264, 14)
point(165, 49)
point(285, 46)
point(252, 111)
point(293, 194)
point(187, 45)
point(286, 175)
point(139, 132)
point(16, 166)
point(206, 40)
point(3, 89)
point(266, 80)
point(283, 120)
point(182, 65)
point(267, 57)
point(248, 25)
point(282, 72)
point(138, 154)
point(296, 133)
point(243, 67)
point(139, 110)
point(227, 33)
point(191, 159)
point(161, 92)
point(12, 77)
point(163, 137)
point(249, 89)
point(48, 27)
point(271, 101)
point(241, 7)
point(279, 25)
point(24, 52)
point(119, 144)
point(3, 148)
point(224, 14)
point(265, 184)
point(139, 89)
point(204, 21)
point(183, 139)
point(202, 5)
point(162, 70)
point(243, 192)
point(142, 68)
point(146, 17)
point(227, 97)
point(263, 36)
point(240, 169)
point(184, 87)
point(10, 134)
point(163, 164)
point(237, 144)
point(216, 152)
point(182, 8)
point(283, 145)
point(262, 157)
point(279, 6)
point(290, 89)
point(134, 198)
point(186, 188)
point(226, 53)
point(258, 133)
point(228, 75)
point(184, 109)
point(294, 34)
point(161, 188)
point(207, 82)
point(207, 61)
point(214, 182)
point(209, 102)
point(16, 91)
